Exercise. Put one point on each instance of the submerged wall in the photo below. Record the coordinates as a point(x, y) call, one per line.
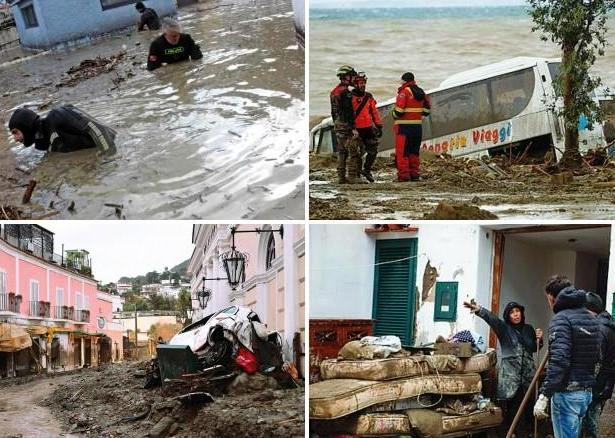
point(70, 20)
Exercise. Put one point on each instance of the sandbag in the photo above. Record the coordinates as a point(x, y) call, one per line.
point(338, 397)
point(405, 366)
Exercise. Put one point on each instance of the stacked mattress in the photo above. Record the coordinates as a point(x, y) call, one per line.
point(400, 395)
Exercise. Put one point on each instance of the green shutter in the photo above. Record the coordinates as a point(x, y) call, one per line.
point(394, 284)
point(445, 308)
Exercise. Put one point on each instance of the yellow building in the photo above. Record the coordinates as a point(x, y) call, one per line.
point(273, 284)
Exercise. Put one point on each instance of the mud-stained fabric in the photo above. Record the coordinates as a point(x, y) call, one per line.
point(338, 397)
point(409, 366)
point(13, 338)
point(387, 424)
point(425, 422)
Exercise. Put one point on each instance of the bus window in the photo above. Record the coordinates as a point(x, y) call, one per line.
point(554, 69)
point(608, 108)
point(511, 93)
point(459, 109)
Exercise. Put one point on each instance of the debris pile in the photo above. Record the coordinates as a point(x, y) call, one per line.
point(376, 388)
point(503, 184)
point(91, 68)
point(205, 383)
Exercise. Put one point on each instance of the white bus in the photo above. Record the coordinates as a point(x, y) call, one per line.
point(488, 109)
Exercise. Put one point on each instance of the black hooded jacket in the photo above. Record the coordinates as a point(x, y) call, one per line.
point(574, 350)
point(64, 129)
point(603, 389)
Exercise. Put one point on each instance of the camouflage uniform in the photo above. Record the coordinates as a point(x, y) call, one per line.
point(343, 118)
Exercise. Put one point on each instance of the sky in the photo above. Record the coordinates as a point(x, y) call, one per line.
point(411, 3)
point(128, 248)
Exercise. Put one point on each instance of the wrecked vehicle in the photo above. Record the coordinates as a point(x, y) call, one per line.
point(490, 108)
point(231, 339)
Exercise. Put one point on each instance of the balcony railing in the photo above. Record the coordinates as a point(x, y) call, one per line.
point(10, 302)
point(82, 315)
point(39, 242)
point(41, 309)
point(4, 303)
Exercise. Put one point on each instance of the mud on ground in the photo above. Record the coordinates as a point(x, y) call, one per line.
point(466, 189)
point(94, 402)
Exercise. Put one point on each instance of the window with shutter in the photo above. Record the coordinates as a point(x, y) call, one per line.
point(394, 288)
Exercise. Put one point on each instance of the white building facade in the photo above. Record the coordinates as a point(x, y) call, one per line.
point(274, 283)
point(412, 281)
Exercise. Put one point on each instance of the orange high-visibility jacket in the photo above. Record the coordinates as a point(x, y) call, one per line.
point(410, 109)
point(369, 113)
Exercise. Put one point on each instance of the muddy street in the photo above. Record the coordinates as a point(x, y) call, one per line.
point(216, 138)
point(21, 413)
point(111, 401)
point(519, 192)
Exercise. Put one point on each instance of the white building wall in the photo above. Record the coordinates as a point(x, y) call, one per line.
point(455, 255)
point(610, 289)
point(341, 271)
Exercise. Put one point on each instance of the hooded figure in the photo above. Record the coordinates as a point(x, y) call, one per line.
point(64, 129)
point(518, 344)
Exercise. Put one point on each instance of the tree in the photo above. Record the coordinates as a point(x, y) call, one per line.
point(184, 303)
point(578, 27)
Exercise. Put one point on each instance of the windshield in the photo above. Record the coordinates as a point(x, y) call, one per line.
point(554, 69)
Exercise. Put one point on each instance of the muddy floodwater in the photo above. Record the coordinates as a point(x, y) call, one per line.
point(218, 138)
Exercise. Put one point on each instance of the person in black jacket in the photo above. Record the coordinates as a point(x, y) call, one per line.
point(518, 341)
point(574, 354)
point(64, 129)
point(172, 46)
point(603, 389)
point(149, 17)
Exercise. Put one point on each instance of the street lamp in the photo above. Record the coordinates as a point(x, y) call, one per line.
point(235, 261)
point(203, 296)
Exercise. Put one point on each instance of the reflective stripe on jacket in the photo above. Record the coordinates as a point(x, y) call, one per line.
point(411, 106)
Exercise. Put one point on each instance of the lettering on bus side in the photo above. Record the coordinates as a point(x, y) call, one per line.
point(489, 136)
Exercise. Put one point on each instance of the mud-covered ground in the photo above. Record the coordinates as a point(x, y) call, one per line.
point(216, 138)
point(463, 189)
point(94, 402)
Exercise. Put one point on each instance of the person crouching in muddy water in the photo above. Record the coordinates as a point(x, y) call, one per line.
point(367, 123)
point(64, 129)
point(172, 46)
point(149, 17)
point(518, 341)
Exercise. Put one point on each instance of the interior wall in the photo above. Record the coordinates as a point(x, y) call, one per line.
point(526, 269)
point(586, 272)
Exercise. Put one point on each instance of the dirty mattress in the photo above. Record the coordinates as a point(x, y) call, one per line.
point(399, 367)
point(336, 398)
point(388, 424)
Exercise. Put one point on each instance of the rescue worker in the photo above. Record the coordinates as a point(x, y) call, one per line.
point(64, 129)
point(605, 380)
point(367, 123)
point(149, 17)
point(410, 106)
point(574, 353)
point(346, 135)
point(518, 342)
point(172, 46)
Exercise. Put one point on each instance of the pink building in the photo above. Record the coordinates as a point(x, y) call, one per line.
point(55, 298)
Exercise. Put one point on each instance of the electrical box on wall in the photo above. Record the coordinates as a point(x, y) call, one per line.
point(445, 308)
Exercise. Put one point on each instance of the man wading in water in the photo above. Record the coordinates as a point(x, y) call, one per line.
point(64, 129)
point(172, 46)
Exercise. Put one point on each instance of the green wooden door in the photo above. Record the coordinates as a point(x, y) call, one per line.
point(394, 285)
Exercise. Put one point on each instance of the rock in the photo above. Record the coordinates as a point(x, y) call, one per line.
point(446, 211)
point(161, 429)
point(562, 178)
point(174, 427)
